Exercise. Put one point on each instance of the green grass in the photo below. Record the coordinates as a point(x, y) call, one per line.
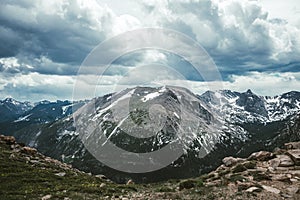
point(21, 180)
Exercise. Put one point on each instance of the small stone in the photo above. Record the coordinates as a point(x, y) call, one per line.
point(130, 182)
point(101, 177)
point(102, 185)
point(12, 156)
point(61, 174)
point(27, 158)
point(271, 189)
point(286, 195)
point(46, 197)
point(253, 189)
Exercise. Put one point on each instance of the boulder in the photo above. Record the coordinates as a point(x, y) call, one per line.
point(29, 150)
point(101, 176)
point(295, 155)
point(285, 161)
point(274, 163)
point(261, 156)
point(230, 161)
point(292, 145)
point(271, 189)
point(46, 197)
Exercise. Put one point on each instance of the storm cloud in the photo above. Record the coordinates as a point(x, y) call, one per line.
point(50, 39)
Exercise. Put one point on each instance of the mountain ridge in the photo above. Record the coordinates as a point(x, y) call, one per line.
point(214, 124)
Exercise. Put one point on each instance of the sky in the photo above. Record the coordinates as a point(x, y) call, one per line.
point(253, 44)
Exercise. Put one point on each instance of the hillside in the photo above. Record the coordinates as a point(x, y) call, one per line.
point(27, 174)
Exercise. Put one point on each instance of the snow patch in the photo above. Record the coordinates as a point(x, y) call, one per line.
point(25, 118)
point(150, 96)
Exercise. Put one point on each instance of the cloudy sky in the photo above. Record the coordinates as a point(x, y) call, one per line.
point(254, 44)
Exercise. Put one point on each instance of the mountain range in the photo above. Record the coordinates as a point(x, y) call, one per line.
point(210, 127)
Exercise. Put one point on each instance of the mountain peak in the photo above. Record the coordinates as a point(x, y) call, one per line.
point(249, 91)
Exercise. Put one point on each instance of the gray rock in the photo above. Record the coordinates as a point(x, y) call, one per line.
point(46, 197)
point(292, 145)
point(295, 155)
point(61, 174)
point(285, 161)
point(253, 189)
point(271, 189)
point(230, 161)
point(261, 156)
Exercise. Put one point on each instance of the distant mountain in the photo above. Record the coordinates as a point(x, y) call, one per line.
point(210, 126)
point(11, 109)
point(16, 115)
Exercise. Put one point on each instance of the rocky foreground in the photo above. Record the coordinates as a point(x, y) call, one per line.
point(27, 174)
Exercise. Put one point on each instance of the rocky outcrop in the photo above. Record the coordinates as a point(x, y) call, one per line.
point(295, 155)
point(263, 175)
point(272, 175)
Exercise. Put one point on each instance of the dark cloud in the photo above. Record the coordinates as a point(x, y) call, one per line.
point(54, 37)
point(65, 36)
point(237, 34)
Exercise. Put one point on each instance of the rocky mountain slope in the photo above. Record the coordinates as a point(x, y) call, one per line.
point(210, 126)
point(263, 175)
point(27, 174)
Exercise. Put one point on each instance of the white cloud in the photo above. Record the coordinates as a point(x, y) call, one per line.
point(261, 83)
point(36, 87)
point(44, 42)
point(265, 83)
